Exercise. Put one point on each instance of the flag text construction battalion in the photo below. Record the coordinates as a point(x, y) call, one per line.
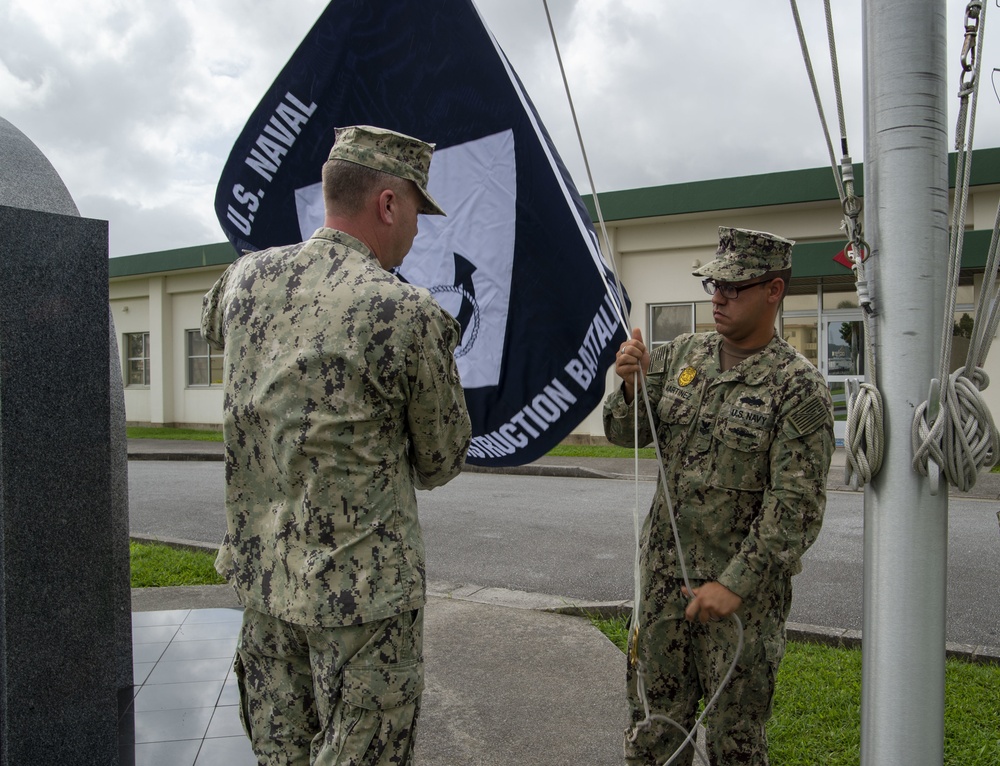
point(555, 400)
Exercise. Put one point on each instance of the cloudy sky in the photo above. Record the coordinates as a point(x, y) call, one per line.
point(137, 103)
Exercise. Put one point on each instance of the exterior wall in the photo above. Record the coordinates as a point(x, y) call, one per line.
point(166, 306)
point(654, 254)
point(655, 258)
point(130, 309)
point(193, 404)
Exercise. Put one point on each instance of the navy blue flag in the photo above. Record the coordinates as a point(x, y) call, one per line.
point(516, 260)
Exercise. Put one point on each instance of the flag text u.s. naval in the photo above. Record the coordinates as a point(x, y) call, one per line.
point(265, 157)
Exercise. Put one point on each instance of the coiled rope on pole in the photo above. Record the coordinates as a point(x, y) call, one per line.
point(865, 426)
point(865, 436)
point(953, 431)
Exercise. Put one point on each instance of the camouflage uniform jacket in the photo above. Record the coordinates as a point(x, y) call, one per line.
point(341, 396)
point(746, 454)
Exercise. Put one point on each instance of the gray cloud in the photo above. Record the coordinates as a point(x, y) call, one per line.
point(137, 105)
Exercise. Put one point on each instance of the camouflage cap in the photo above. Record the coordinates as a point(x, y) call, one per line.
point(745, 254)
point(393, 153)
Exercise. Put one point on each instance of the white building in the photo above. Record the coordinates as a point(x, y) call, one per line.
point(656, 234)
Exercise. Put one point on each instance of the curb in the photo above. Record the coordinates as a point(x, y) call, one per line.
point(563, 471)
point(552, 471)
point(175, 542)
point(181, 456)
point(222, 595)
point(579, 472)
point(834, 484)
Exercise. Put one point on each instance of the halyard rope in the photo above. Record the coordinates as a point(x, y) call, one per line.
point(953, 431)
point(865, 435)
point(640, 669)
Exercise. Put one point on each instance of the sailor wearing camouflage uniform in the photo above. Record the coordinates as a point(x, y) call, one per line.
point(341, 397)
point(745, 428)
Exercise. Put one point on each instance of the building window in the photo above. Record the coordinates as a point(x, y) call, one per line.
point(203, 362)
point(136, 358)
point(668, 320)
point(802, 335)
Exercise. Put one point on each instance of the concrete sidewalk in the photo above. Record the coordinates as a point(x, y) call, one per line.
point(987, 486)
point(512, 677)
point(507, 682)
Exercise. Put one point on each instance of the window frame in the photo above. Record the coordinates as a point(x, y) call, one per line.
point(210, 359)
point(128, 359)
point(692, 308)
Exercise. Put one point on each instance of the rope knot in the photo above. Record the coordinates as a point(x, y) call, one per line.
point(865, 435)
point(962, 438)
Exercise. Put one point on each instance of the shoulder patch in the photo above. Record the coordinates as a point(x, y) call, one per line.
point(809, 416)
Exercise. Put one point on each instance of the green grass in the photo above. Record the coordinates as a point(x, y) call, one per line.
point(187, 434)
point(817, 706)
point(597, 450)
point(158, 566)
point(563, 450)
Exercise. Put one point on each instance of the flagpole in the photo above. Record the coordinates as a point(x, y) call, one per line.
point(905, 527)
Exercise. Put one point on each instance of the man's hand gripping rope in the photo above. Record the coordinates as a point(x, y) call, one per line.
point(709, 603)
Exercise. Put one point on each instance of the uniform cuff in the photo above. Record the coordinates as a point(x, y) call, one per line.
point(740, 578)
point(617, 406)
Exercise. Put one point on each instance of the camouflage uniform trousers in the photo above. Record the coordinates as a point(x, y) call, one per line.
point(344, 696)
point(686, 661)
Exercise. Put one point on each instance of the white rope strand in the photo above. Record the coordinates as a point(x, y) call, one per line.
point(637, 599)
point(640, 667)
point(864, 442)
point(864, 451)
point(953, 431)
point(864, 438)
point(816, 97)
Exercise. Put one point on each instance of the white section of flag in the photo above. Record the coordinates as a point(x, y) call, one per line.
point(476, 185)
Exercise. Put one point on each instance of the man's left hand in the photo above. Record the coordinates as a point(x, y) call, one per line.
point(711, 602)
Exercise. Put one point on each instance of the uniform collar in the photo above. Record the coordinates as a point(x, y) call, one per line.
point(754, 370)
point(339, 237)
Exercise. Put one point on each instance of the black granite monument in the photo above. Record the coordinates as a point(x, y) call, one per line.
point(65, 609)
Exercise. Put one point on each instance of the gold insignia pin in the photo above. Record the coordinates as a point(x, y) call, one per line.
point(687, 376)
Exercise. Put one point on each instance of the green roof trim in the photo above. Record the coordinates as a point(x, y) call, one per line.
point(815, 259)
point(790, 187)
point(985, 167)
point(785, 188)
point(976, 248)
point(219, 254)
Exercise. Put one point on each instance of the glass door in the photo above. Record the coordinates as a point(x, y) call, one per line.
point(842, 359)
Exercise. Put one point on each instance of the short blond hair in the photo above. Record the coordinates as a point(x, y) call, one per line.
point(347, 186)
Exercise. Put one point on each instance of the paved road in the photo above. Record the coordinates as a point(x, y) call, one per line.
point(574, 537)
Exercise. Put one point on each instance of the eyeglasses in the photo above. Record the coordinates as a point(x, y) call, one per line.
point(729, 292)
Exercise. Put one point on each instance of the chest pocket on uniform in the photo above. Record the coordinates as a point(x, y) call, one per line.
point(675, 411)
point(741, 452)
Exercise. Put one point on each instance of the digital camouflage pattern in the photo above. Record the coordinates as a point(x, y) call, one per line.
point(341, 396)
point(746, 456)
point(675, 682)
point(325, 696)
point(390, 152)
point(745, 254)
